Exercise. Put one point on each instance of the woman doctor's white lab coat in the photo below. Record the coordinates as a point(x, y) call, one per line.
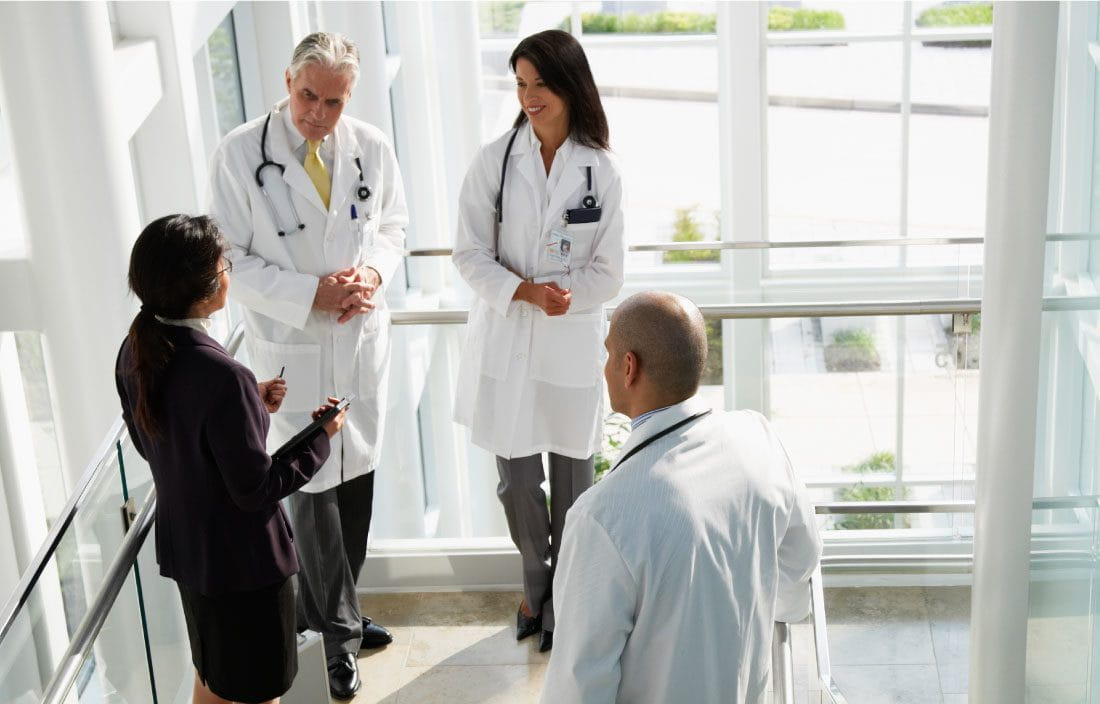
point(275, 278)
point(529, 382)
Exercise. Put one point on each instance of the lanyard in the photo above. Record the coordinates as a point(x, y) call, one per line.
point(645, 443)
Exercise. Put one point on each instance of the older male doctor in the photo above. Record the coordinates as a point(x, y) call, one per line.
point(675, 566)
point(312, 203)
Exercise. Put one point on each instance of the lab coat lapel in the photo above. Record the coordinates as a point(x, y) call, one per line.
point(572, 177)
point(659, 422)
point(344, 174)
point(294, 173)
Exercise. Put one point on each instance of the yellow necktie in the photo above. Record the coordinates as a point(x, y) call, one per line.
point(317, 172)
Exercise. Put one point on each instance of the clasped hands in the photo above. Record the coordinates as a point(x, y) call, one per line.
point(551, 298)
point(347, 292)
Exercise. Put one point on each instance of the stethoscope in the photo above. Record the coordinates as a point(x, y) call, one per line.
point(363, 192)
point(587, 203)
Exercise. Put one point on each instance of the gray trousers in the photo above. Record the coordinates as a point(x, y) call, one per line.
point(330, 534)
point(536, 531)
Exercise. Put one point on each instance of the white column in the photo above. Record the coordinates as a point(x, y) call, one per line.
point(1019, 164)
point(74, 171)
point(279, 28)
point(172, 134)
point(742, 131)
point(363, 23)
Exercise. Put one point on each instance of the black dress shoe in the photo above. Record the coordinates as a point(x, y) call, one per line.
point(343, 676)
point(527, 625)
point(546, 641)
point(374, 636)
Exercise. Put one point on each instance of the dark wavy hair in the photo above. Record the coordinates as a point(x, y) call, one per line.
point(562, 65)
point(173, 266)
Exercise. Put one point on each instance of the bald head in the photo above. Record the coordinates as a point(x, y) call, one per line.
point(668, 339)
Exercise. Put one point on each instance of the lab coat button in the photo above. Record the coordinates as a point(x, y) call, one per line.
point(330, 237)
point(521, 356)
point(523, 311)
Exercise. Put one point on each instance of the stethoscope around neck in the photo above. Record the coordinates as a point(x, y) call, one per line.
point(362, 193)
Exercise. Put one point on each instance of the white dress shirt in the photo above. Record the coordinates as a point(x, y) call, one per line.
point(671, 567)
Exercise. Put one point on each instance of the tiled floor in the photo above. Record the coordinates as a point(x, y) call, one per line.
point(904, 645)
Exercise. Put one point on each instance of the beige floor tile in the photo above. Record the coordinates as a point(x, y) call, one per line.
point(472, 646)
point(493, 684)
point(442, 608)
point(889, 684)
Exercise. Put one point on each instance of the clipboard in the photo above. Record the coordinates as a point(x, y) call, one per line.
point(300, 437)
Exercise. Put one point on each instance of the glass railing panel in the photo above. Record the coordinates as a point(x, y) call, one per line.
point(876, 409)
point(168, 644)
point(1062, 606)
point(116, 670)
point(59, 598)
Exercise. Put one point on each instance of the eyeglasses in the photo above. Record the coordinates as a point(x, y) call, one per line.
point(228, 268)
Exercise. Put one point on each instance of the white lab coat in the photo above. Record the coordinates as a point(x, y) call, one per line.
point(528, 382)
point(275, 278)
point(667, 580)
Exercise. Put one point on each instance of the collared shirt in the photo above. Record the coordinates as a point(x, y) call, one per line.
point(547, 182)
point(635, 422)
point(298, 144)
point(200, 324)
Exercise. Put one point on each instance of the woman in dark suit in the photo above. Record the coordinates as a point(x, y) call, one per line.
point(200, 419)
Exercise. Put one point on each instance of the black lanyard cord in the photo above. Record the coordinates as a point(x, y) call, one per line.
point(648, 441)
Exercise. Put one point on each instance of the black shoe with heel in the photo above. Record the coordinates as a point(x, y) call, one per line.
point(343, 676)
point(374, 636)
point(527, 625)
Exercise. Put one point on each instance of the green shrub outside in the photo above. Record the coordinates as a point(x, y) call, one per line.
point(877, 463)
point(973, 14)
point(788, 19)
point(686, 229)
point(616, 429)
point(970, 15)
point(855, 338)
point(780, 19)
point(499, 17)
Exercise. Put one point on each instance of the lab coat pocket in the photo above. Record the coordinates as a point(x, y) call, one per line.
point(374, 354)
point(302, 373)
point(584, 237)
point(567, 350)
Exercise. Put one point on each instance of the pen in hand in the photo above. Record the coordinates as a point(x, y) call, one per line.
point(281, 370)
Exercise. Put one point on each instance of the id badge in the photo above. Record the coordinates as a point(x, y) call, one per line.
point(560, 248)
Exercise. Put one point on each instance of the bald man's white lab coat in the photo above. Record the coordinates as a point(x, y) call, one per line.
point(666, 587)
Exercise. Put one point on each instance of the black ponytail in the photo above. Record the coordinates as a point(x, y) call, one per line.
point(173, 266)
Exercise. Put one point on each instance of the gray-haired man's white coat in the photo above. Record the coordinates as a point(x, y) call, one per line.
point(670, 569)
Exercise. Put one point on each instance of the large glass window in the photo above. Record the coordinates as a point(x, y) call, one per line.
point(225, 75)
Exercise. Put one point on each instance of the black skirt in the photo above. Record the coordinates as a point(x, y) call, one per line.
point(243, 644)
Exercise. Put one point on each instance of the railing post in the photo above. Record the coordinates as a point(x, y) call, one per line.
point(782, 665)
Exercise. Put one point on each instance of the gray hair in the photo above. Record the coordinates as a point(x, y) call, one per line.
point(329, 49)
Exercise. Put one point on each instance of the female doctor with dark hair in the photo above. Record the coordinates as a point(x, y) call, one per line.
point(540, 242)
point(200, 419)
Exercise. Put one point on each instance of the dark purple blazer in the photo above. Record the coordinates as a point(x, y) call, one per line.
point(219, 526)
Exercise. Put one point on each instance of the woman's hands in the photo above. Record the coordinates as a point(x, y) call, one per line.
point(551, 298)
point(272, 393)
point(333, 426)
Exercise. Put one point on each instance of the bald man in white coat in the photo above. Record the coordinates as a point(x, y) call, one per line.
point(675, 566)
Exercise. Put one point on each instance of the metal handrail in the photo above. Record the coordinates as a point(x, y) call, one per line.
point(891, 241)
point(746, 311)
point(759, 311)
point(1040, 504)
point(79, 498)
point(85, 635)
point(757, 244)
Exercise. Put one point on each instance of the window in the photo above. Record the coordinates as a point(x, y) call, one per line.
point(221, 48)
